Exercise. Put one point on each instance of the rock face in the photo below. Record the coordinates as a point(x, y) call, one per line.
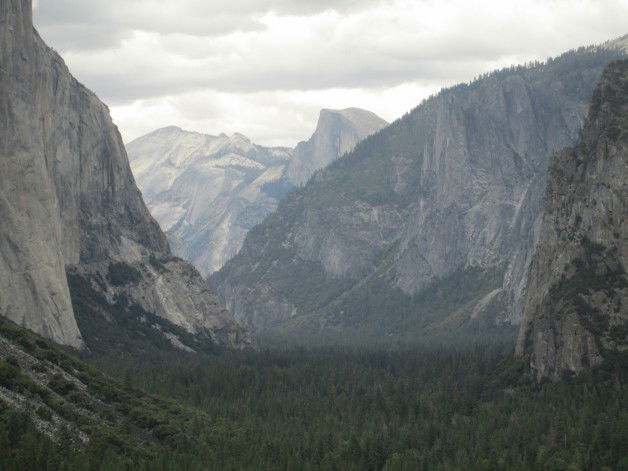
point(68, 201)
point(576, 305)
point(207, 192)
point(446, 198)
point(337, 133)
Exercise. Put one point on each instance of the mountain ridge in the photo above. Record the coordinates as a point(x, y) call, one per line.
point(455, 185)
point(208, 191)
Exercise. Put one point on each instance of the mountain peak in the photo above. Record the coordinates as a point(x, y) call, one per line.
point(169, 130)
point(240, 139)
point(337, 132)
point(363, 118)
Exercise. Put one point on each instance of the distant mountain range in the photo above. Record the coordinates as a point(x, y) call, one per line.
point(427, 226)
point(207, 192)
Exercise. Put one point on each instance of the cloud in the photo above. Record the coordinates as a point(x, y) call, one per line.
point(271, 118)
point(63, 19)
point(268, 56)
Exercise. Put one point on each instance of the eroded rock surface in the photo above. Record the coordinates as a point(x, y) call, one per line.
point(68, 200)
point(576, 305)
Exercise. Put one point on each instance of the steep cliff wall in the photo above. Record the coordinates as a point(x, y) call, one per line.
point(576, 306)
point(68, 200)
point(448, 195)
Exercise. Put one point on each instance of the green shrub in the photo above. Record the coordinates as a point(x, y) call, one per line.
point(8, 373)
point(120, 274)
point(60, 385)
point(44, 413)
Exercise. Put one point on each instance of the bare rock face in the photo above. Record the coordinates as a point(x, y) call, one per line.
point(454, 187)
point(68, 200)
point(207, 192)
point(576, 305)
point(337, 133)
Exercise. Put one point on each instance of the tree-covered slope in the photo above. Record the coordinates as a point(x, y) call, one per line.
point(56, 412)
point(445, 200)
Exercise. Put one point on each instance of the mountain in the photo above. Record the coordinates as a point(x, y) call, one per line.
point(337, 132)
point(576, 305)
point(430, 224)
point(71, 210)
point(207, 192)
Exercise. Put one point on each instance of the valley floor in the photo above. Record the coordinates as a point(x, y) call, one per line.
point(347, 408)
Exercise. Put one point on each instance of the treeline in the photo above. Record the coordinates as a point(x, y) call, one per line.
point(423, 408)
point(467, 408)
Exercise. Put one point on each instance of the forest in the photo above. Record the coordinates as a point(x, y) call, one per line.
point(467, 407)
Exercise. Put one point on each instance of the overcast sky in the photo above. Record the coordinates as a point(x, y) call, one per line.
point(266, 68)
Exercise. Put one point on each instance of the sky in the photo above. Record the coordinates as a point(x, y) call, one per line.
point(266, 68)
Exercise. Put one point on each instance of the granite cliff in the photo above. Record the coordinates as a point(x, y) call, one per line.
point(576, 304)
point(207, 192)
point(69, 206)
point(430, 223)
point(337, 133)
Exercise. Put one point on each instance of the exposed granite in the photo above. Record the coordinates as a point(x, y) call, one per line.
point(337, 133)
point(207, 192)
point(576, 305)
point(455, 184)
point(68, 198)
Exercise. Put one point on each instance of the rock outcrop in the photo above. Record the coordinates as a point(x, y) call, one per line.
point(576, 305)
point(449, 196)
point(207, 192)
point(69, 203)
point(337, 133)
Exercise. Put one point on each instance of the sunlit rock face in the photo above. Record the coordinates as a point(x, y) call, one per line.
point(68, 201)
point(576, 305)
point(207, 192)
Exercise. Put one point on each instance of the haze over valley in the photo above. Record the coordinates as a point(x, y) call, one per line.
point(337, 235)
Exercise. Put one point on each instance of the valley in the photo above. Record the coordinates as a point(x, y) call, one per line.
point(448, 291)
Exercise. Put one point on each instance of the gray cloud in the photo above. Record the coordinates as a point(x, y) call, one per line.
point(94, 24)
point(135, 51)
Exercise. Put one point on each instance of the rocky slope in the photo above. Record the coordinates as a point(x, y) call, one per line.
point(207, 192)
point(576, 305)
point(69, 203)
point(64, 397)
point(446, 198)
